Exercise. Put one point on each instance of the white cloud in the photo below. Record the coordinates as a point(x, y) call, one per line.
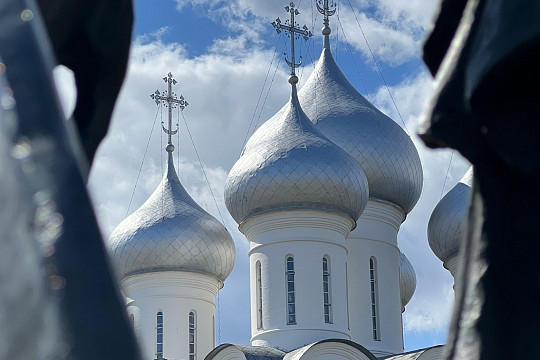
point(393, 29)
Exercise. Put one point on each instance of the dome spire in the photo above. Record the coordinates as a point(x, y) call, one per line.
point(326, 9)
point(294, 31)
point(170, 100)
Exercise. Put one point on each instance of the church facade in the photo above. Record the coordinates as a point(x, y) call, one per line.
point(320, 192)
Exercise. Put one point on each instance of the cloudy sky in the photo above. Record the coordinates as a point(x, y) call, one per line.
point(228, 61)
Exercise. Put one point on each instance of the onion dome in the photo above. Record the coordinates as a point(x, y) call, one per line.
point(170, 232)
point(289, 164)
point(448, 222)
point(407, 280)
point(381, 147)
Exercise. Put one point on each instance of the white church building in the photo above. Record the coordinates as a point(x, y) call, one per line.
point(320, 192)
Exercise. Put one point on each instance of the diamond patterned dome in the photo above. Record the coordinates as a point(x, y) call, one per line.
point(381, 147)
point(448, 221)
point(288, 164)
point(407, 279)
point(170, 232)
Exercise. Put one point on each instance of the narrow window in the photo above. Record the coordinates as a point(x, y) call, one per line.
point(374, 298)
point(258, 272)
point(291, 309)
point(192, 336)
point(159, 335)
point(327, 305)
point(132, 319)
point(347, 294)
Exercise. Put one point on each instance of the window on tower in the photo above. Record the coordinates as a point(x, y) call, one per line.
point(159, 335)
point(291, 307)
point(258, 271)
point(327, 305)
point(192, 336)
point(374, 298)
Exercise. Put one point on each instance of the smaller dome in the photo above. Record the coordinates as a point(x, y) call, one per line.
point(288, 164)
point(383, 149)
point(170, 232)
point(407, 280)
point(448, 222)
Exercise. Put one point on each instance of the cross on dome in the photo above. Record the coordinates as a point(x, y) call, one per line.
point(170, 100)
point(293, 30)
point(324, 8)
point(327, 9)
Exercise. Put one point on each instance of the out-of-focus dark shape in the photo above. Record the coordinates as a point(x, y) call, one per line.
point(486, 105)
point(91, 38)
point(57, 298)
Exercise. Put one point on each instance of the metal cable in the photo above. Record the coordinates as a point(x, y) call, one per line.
point(447, 172)
point(379, 69)
point(353, 58)
point(202, 168)
point(259, 99)
point(142, 162)
point(267, 93)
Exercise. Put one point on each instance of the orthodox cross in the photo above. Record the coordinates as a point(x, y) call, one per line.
point(169, 99)
point(293, 30)
point(324, 9)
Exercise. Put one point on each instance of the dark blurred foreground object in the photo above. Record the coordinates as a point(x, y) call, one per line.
point(91, 38)
point(57, 294)
point(485, 56)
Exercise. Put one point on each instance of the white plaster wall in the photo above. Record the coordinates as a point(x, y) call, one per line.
point(307, 236)
point(376, 235)
point(175, 294)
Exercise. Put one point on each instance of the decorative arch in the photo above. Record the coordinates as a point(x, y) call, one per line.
point(337, 349)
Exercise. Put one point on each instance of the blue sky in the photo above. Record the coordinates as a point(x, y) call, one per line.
point(221, 52)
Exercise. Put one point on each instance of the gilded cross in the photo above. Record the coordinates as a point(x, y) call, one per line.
point(293, 30)
point(169, 99)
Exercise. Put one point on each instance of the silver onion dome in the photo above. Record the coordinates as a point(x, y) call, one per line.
point(381, 147)
point(407, 280)
point(448, 222)
point(288, 164)
point(170, 232)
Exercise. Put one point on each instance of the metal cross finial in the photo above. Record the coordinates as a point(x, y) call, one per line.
point(169, 99)
point(324, 8)
point(293, 30)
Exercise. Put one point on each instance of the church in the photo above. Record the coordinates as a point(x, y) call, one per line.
point(319, 192)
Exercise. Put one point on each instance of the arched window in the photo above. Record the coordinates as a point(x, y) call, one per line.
point(132, 320)
point(374, 298)
point(258, 273)
point(192, 336)
point(291, 304)
point(327, 304)
point(159, 335)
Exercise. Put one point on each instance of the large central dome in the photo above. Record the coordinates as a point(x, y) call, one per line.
point(170, 232)
point(289, 164)
point(381, 147)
